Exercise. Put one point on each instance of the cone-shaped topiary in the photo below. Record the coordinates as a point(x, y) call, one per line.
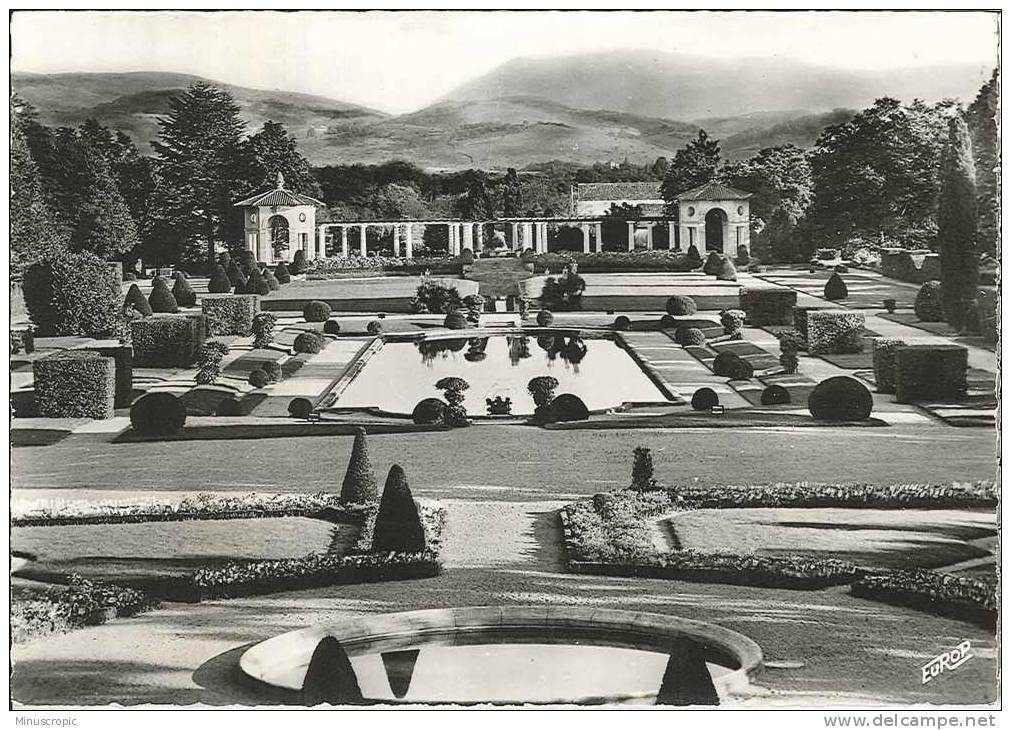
point(282, 274)
point(642, 469)
point(330, 678)
point(272, 283)
point(928, 304)
point(256, 284)
point(316, 311)
point(727, 271)
point(704, 398)
point(686, 680)
point(835, 288)
point(298, 263)
point(693, 258)
point(398, 528)
point(840, 398)
point(135, 300)
point(359, 485)
point(183, 292)
point(160, 298)
point(236, 276)
point(714, 262)
point(219, 283)
point(680, 306)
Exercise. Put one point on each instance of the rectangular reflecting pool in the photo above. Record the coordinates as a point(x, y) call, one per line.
point(598, 370)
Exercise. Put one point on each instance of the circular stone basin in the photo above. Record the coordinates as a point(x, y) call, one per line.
point(506, 655)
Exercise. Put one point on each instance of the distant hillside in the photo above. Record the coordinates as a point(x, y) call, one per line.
point(132, 102)
point(674, 86)
point(802, 131)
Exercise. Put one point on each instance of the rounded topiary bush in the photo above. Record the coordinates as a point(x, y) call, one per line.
point(183, 292)
point(219, 283)
point(282, 274)
point(692, 336)
point(713, 265)
point(307, 342)
point(568, 407)
point(316, 311)
point(429, 411)
point(622, 323)
point(247, 262)
point(928, 305)
point(545, 318)
point(160, 298)
point(704, 399)
point(835, 288)
point(466, 256)
point(680, 306)
point(300, 408)
point(157, 414)
point(272, 282)
point(727, 271)
point(331, 327)
point(775, 395)
point(359, 486)
point(273, 370)
point(258, 378)
point(298, 263)
point(840, 398)
point(667, 322)
point(455, 321)
point(374, 327)
point(228, 407)
point(733, 366)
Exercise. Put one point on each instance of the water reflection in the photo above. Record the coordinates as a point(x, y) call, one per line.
point(432, 349)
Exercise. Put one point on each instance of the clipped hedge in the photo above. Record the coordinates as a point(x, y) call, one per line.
point(835, 331)
point(158, 414)
point(230, 314)
point(883, 351)
point(937, 593)
point(75, 384)
point(930, 372)
point(183, 292)
point(800, 316)
point(768, 306)
point(74, 294)
point(122, 356)
point(161, 298)
point(167, 341)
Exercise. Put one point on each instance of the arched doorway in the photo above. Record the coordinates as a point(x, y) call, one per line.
point(716, 223)
point(278, 226)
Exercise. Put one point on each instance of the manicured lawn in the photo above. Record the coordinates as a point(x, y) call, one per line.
point(868, 537)
point(153, 549)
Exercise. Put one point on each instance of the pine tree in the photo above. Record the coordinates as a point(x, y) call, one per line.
point(272, 150)
point(200, 163)
point(398, 527)
point(956, 226)
point(103, 224)
point(981, 117)
point(693, 165)
point(359, 485)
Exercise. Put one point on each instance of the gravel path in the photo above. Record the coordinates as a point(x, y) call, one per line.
point(493, 534)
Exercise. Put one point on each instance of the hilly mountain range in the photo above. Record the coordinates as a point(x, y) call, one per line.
point(635, 105)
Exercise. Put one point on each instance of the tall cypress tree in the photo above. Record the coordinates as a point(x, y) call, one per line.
point(200, 161)
point(511, 195)
point(956, 226)
point(981, 116)
point(103, 224)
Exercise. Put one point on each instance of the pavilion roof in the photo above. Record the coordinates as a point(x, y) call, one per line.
point(713, 190)
point(279, 196)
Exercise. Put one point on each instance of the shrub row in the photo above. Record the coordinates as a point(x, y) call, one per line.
point(230, 314)
point(167, 341)
point(938, 593)
point(336, 266)
point(616, 261)
point(82, 603)
point(892, 496)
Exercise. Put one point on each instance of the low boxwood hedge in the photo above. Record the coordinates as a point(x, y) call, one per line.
point(75, 384)
point(230, 314)
point(167, 341)
point(937, 593)
point(883, 351)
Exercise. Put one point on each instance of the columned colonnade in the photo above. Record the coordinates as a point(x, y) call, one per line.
point(522, 234)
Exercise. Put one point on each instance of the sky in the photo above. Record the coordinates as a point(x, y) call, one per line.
point(402, 61)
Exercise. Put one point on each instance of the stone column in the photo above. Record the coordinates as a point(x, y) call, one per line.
point(451, 239)
point(528, 235)
point(598, 236)
point(344, 240)
point(396, 240)
point(362, 244)
point(585, 228)
point(544, 237)
point(320, 242)
point(514, 238)
point(649, 235)
point(408, 242)
point(671, 236)
point(468, 236)
point(631, 235)
point(479, 244)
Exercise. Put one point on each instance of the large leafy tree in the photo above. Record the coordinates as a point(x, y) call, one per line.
point(34, 232)
point(981, 117)
point(476, 203)
point(779, 179)
point(200, 166)
point(273, 150)
point(512, 197)
point(694, 164)
point(956, 226)
point(876, 176)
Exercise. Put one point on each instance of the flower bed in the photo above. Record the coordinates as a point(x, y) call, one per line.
point(615, 261)
point(926, 590)
point(892, 496)
point(342, 266)
point(39, 612)
point(197, 507)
